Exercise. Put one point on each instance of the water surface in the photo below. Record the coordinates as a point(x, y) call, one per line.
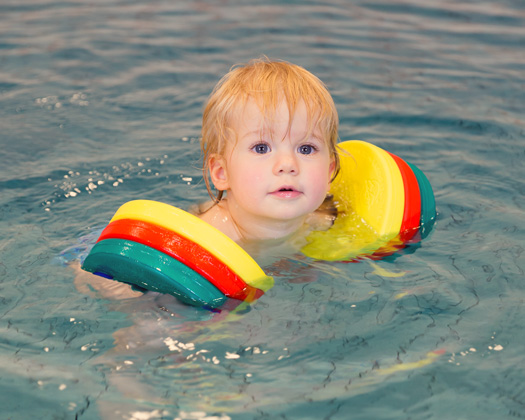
point(100, 103)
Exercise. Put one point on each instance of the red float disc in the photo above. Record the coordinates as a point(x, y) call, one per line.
point(187, 252)
point(412, 212)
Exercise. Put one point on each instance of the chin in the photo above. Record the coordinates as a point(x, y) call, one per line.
point(287, 213)
point(289, 216)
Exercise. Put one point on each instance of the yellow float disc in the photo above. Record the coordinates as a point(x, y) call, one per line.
point(200, 232)
point(370, 198)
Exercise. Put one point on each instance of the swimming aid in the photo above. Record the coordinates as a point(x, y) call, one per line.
point(382, 203)
point(162, 248)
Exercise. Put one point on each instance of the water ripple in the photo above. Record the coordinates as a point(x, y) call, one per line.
point(101, 101)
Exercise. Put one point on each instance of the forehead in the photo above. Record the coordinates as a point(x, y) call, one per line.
point(254, 114)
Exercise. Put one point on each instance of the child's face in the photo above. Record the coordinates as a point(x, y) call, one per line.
point(272, 173)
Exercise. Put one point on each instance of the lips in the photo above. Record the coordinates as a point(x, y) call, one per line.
point(286, 192)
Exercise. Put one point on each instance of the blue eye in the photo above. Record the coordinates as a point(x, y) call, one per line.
point(306, 149)
point(261, 148)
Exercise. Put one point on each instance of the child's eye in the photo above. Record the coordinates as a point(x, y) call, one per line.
point(307, 149)
point(261, 148)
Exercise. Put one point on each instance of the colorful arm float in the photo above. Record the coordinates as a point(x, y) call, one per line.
point(382, 202)
point(162, 248)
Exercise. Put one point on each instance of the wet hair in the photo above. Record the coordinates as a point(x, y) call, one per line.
point(267, 82)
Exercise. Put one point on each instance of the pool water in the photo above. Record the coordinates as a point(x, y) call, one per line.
point(101, 103)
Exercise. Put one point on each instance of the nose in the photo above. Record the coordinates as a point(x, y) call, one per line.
point(286, 163)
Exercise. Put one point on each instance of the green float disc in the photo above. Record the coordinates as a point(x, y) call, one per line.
point(138, 264)
point(428, 202)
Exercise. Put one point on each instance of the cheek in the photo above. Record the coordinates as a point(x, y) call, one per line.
point(252, 171)
point(320, 168)
point(319, 179)
point(247, 177)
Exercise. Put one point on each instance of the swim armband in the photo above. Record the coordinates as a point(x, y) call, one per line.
point(382, 203)
point(159, 247)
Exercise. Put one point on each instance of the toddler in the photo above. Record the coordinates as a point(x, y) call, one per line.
point(269, 137)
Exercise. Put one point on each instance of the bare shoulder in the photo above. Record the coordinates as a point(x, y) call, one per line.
point(323, 218)
point(218, 216)
point(208, 211)
point(201, 209)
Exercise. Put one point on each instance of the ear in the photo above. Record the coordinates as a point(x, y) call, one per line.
point(218, 173)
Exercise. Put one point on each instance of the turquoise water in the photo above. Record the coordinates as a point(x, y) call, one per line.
point(100, 103)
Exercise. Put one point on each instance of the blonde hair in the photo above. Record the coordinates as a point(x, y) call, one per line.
point(268, 82)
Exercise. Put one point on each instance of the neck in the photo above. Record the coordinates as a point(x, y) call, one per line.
point(252, 229)
point(266, 241)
